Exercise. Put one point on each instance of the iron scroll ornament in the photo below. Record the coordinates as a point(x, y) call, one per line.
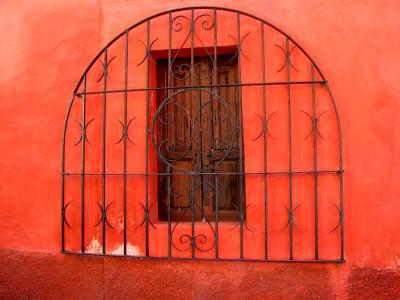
point(158, 119)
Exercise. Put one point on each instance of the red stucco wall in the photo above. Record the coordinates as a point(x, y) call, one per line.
point(44, 50)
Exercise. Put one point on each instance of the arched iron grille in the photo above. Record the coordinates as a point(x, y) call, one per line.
point(203, 133)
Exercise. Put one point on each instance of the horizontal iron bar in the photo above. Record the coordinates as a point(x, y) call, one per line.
point(202, 86)
point(212, 259)
point(207, 173)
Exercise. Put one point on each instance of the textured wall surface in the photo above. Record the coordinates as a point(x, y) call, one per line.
point(45, 47)
point(43, 275)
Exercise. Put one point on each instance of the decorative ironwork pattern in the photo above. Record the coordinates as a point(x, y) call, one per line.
point(245, 120)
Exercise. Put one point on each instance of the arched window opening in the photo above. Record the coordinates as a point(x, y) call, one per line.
point(203, 133)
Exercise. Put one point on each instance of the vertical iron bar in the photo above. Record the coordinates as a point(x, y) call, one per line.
point(341, 190)
point(83, 167)
point(340, 178)
point(147, 215)
point(168, 167)
point(193, 194)
point(341, 214)
point(125, 130)
point(240, 136)
point(216, 216)
point(62, 199)
point(340, 172)
point(265, 144)
point(63, 176)
point(169, 53)
point(103, 166)
point(215, 79)
point(315, 161)
point(290, 152)
point(169, 210)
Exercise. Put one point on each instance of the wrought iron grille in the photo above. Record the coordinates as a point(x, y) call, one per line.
point(203, 133)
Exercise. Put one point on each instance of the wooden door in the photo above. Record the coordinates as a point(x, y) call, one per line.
point(198, 136)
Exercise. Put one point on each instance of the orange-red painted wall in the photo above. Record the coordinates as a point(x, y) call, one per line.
point(44, 50)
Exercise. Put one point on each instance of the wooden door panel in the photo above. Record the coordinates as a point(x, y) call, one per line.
point(180, 110)
point(180, 185)
point(226, 110)
point(228, 186)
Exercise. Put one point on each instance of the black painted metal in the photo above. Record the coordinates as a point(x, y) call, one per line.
point(264, 133)
point(83, 140)
point(125, 136)
point(315, 163)
point(203, 86)
point(208, 22)
point(291, 212)
point(103, 160)
point(214, 89)
point(147, 132)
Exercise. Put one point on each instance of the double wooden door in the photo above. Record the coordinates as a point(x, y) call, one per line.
point(198, 136)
